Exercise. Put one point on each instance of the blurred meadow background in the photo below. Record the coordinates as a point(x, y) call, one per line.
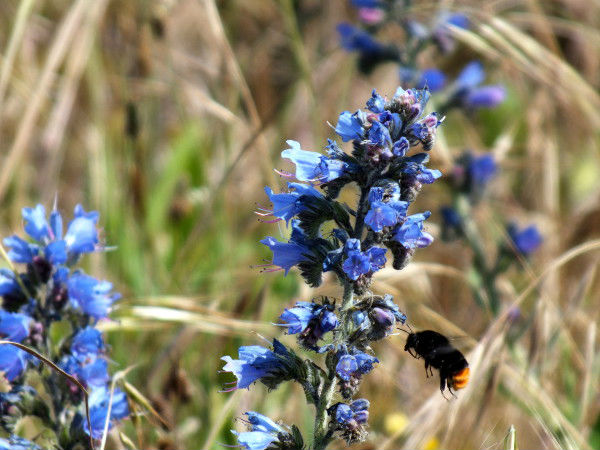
point(168, 117)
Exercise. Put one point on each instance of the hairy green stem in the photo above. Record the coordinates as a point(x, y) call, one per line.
point(322, 436)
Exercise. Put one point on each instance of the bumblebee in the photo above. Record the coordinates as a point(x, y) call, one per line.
point(438, 353)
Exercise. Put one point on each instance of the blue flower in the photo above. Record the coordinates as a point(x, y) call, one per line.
point(99, 400)
point(8, 282)
point(298, 317)
point(82, 234)
point(17, 443)
point(288, 254)
point(379, 135)
point(442, 35)
point(410, 234)
point(87, 343)
point(355, 39)
point(401, 146)
point(92, 296)
point(12, 361)
point(432, 79)
point(263, 432)
point(350, 126)
point(20, 251)
point(36, 224)
point(358, 263)
point(469, 94)
point(317, 319)
point(482, 169)
point(472, 75)
point(312, 166)
point(254, 363)
point(94, 374)
point(354, 365)
point(289, 204)
point(357, 411)
point(383, 214)
point(415, 167)
point(526, 240)
point(14, 326)
point(376, 103)
point(56, 252)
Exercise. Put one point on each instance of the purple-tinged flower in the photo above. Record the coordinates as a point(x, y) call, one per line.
point(350, 420)
point(371, 16)
point(410, 234)
point(432, 79)
point(92, 296)
point(20, 251)
point(12, 361)
point(256, 362)
point(527, 240)
point(401, 146)
point(99, 401)
point(350, 126)
point(469, 94)
point(36, 224)
point(346, 367)
point(354, 365)
point(87, 344)
point(485, 97)
point(14, 326)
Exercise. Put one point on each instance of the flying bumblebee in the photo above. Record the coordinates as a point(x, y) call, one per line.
point(438, 353)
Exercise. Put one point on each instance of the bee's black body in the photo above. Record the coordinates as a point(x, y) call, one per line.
point(438, 353)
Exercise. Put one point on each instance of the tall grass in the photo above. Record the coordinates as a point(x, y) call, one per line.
point(168, 118)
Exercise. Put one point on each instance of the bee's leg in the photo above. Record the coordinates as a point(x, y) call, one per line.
point(443, 382)
point(427, 369)
point(451, 392)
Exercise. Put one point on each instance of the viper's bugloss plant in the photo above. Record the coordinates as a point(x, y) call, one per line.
point(467, 185)
point(386, 163)
point(53, 307)
point(466, 91)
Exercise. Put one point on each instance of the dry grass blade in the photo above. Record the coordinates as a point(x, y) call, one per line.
point(71, 378)
point(64, 38)
point(141, 400)
point(13, 45)
point(113, 384)
point(206, 323)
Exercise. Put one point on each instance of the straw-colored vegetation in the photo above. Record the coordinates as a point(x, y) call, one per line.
point(169, 116)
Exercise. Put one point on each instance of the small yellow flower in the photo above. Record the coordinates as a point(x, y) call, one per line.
point(395, 423)
point(432, 444)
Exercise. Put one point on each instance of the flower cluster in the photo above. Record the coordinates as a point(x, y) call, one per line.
point(468, 183)
point(466, 91)
point(49, 291)
point(390, 180)
point(387, 162)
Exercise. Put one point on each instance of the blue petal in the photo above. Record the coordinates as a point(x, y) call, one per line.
point(36, 224)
